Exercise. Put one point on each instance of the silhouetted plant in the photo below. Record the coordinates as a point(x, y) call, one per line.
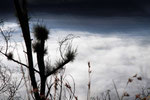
point(89, 83)
point(41, 34)
point(108, 95)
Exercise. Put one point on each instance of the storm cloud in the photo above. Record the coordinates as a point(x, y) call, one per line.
point(84, 7)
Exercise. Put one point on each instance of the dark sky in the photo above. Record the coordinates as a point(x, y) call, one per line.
point(98, 7)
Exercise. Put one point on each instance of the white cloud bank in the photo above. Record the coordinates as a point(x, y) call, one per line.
point(113, 57)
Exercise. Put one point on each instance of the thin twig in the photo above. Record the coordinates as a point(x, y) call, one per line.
point(18, 62)
point(116, 90)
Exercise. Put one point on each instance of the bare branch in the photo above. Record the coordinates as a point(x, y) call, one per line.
point(68, 55)
point(6, 38)
point(18, 61)
point(64, 41)
point(5, 76)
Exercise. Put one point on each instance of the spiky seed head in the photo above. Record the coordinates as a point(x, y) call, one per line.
point(71, 54)
point(10, 56)
point(59, 63)
point(40, 32)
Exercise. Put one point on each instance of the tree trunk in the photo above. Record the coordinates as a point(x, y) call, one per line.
point(21, 11)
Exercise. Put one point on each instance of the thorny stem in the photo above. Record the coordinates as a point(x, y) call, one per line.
point(61, 82)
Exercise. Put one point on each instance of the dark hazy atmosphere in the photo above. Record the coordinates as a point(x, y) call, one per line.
point(114, 37)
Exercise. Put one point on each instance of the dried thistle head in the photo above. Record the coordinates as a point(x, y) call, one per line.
point(40, 32)
point(10, 56)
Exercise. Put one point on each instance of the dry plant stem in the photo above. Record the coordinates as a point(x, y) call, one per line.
point(61, 82)
point(5, 79)
point(116, 90)
point(55, 86)
point(13, 90)
point(73, 84)
point(72, 92)
point(89, 83)
point(23, 75)
point(6, 40)
point(49, 89)
point(109, 95)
